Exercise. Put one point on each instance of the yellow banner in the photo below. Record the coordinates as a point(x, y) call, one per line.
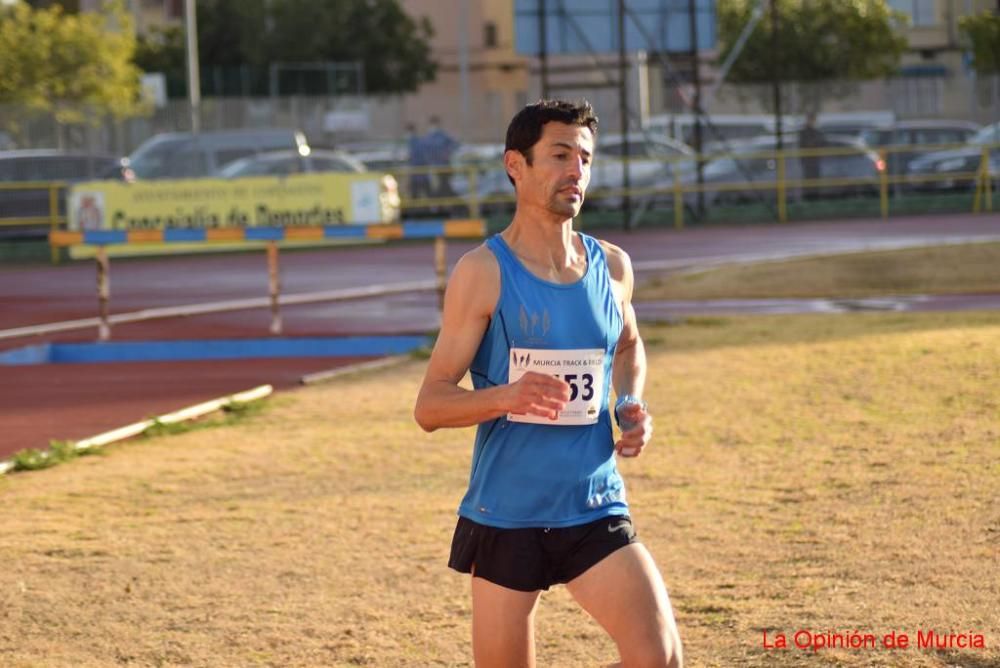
point(259, 201)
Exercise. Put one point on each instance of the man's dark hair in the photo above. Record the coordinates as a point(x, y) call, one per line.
point(525, 128)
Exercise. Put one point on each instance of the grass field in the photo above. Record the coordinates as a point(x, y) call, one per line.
point(967, 268)
point(820, 473)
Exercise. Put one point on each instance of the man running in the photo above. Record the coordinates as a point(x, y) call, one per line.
point(542, 318)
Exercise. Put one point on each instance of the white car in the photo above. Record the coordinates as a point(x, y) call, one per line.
point(283, 163)
point(651, 161)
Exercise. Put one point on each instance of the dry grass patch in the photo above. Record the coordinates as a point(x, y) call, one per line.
point(810, 472)
point(967, 268)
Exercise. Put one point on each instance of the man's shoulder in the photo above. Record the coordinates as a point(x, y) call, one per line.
point(619, 262)
point(477, 264)
point(476, 280)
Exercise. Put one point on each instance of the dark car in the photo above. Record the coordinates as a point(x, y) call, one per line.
point(904, 139)
point(956, 169)
point(39, 168)
point(183, 155)
point(312, 161)
point(283, 163)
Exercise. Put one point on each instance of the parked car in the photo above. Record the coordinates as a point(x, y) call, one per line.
point(43, 166)
point(650, 158)
point(916, 133)
point(955, 169)
point(651, 163)
point(379, 156)
point(283, 163)
point(753, 163)
point(181, 155)
point(288, 163)
point(494, 189)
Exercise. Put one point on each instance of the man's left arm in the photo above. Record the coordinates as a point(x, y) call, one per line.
point(628, 371)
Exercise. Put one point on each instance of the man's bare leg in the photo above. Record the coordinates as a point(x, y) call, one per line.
point(625, 593)
point(503, 625)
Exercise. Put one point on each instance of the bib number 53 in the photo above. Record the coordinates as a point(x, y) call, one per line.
point(580, 385)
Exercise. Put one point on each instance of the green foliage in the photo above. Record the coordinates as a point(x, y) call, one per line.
point(162, 49)
point(33, 460)
point(231, 413)
point(63, 451)
point(820, 42)
point(77, 66)
point(393, 47)
point(983, 32)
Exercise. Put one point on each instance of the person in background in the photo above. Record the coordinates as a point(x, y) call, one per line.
point(440, 146)
point(420, 180)
point(810, 139)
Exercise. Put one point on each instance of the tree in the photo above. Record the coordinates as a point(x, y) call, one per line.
point(393, 47)
point(823, 46)
point(76, 66)
point(983, 32)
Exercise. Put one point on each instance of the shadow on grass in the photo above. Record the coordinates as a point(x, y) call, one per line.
point(970, 660)
point(707, 333)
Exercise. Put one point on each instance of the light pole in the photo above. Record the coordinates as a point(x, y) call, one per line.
point(194, 78)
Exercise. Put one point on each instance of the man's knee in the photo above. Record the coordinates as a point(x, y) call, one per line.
point(657, 651)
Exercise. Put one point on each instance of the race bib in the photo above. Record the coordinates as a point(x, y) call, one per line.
point(582, 369)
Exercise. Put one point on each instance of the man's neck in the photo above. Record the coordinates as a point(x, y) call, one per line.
point(546, 244)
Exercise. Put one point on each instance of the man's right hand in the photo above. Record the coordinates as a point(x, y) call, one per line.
point(537, 394)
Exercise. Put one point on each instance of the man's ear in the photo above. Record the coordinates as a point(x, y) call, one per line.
point(514, 163)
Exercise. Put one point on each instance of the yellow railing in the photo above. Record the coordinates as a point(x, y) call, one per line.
point(54, 220)
point(674, 186)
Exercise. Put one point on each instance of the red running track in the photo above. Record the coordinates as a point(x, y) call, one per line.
point(72, 401)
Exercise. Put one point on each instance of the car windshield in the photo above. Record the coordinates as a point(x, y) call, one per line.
point(153, 159)
point(987, 135)
point(250, 166)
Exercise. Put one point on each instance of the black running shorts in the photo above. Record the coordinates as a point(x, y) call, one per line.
point(536, 558)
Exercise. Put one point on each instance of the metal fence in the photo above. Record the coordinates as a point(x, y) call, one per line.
point(777, 183)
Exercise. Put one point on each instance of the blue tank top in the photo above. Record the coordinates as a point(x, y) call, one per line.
point(541, 475)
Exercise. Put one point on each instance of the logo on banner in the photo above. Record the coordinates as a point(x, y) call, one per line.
point(90, 210)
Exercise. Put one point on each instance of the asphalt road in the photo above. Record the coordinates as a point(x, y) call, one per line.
point(75, 401)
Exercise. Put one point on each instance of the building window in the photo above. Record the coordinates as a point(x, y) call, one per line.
point(490, 35)
point(916, 96)
point(920, 12)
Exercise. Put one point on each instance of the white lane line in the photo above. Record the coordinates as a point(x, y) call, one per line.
point(136, 428)
point(223, 306)
point(810, 250)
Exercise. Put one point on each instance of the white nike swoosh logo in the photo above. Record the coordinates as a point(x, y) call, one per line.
point(618, 527)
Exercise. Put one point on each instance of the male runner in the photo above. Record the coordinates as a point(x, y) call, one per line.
point(542, 318)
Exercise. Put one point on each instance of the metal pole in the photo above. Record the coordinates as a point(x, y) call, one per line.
point(103, 293)
point(463, 64)
point(696, 74)
point(623, 113)
point(194, 77)
point(274, 286)
point(440, 269)
point(543, 56)
point(720, 78)
point(54, 252)
point(775, 74)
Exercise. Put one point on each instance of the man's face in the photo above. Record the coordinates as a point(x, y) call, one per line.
point(559, 173)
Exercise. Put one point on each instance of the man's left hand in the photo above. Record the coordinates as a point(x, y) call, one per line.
point(636, 438)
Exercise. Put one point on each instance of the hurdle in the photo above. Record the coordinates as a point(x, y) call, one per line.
point(438, 230)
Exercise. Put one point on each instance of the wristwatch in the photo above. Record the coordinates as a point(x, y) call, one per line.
point(623, 401)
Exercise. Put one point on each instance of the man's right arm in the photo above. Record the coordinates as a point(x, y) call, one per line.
point(472, 294)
